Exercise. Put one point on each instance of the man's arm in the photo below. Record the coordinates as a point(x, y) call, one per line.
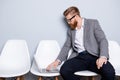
point(63, 53)
point(102, 41)
point(65, 49)
point(103, 45)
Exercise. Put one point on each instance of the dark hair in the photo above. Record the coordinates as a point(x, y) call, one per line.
point(71, 10)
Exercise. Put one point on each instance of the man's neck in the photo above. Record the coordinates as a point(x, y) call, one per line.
point(79, 23)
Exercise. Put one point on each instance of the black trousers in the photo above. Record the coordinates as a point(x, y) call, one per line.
point(86, 61)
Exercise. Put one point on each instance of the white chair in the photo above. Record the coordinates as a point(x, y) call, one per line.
point(14, 59)
point(114, 52)
point(86, 73)
point(46, 53)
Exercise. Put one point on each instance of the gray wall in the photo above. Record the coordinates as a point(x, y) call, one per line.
point(35, 20)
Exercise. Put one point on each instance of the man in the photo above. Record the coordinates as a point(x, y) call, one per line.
point(90, 48)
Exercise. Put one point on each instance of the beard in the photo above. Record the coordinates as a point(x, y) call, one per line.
point(74, 25)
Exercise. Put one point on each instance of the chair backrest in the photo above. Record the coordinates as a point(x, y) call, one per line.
point(114, 52)
point(46, 53)
point(15, 56)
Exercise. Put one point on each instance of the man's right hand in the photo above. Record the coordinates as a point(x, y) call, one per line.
point(53, 65)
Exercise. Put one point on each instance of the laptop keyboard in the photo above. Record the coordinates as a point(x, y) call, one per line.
point(49, 71)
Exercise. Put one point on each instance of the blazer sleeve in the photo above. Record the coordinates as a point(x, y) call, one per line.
point(66, 47)
point(101, 39)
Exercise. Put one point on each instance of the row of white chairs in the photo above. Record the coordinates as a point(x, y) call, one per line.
point(15, 59)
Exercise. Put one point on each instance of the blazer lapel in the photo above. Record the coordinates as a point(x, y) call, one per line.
point(85, 27)
point(86, 31)
point(73, 36)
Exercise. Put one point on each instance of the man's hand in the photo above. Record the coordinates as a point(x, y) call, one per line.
point(100, 61)
point(53, 65)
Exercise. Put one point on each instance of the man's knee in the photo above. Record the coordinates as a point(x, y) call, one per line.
point(108, 71)
point(65, 70)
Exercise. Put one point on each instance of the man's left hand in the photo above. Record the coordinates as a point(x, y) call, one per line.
point(100, 61)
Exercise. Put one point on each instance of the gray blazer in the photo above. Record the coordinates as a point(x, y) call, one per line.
point(95, 41)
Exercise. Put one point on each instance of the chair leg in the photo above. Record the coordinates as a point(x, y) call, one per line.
point(39, 78)
point(56, 78)
point(20, 78)
point(118, 77)
point(92, 78)
point(87, 78)
point(2, 78)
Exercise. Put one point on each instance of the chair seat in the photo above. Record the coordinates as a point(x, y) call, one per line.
point(47, 52)
point(9, 72)
point(114, 52)
point(15, 69)
point(86, 73)
point(34, 70)
point(14, 59)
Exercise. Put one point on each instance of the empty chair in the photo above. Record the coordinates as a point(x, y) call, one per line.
point(46, 53)
point(14, 59)
point(114, 52)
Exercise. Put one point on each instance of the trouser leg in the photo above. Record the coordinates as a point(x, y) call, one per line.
point(107, 71)
point(78, 63)
point(68, 69)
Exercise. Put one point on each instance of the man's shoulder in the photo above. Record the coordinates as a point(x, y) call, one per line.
point(91, 21)
point(88, 19)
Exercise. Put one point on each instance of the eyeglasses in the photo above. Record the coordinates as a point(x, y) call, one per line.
point(69, 20)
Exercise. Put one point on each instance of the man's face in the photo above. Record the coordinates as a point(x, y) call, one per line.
point(72, 21)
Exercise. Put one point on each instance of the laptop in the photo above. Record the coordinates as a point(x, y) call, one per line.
point(43, 70)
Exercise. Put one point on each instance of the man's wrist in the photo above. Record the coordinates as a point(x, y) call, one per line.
point(59, 62)
point(103, 57)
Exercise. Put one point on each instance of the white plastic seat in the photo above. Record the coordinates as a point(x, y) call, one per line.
point(114, 52)
point(46, 53)
point(86, 73)
point(14, 59)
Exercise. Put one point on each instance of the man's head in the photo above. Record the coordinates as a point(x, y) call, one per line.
point(72, 14)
